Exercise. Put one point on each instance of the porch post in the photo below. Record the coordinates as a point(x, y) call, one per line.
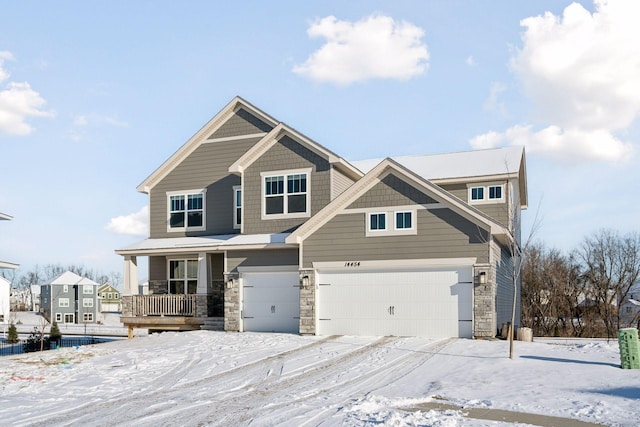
point(202, 274)
point(130, 275)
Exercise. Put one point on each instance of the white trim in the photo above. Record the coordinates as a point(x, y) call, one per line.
point(268, 269)
point(87, 302)
point(413, 217)
point(393, 264)
point(235, 138)
point(485, 195)
point(390, 222)
point(186, 277)
point(186, 194)
point(285, 174)
point(377, 231)
point(61, 300)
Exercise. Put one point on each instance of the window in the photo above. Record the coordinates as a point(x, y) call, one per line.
point(115, 295)
point(63, 302)
point(477, 193)
point(69, 318)
point(58, 317)
point(286, 195)
point(377, 221)
point(186, 210)
point(404, 221)
point(87, 302)
point(65, 288)
point(237, 207)
point(110, 295)
point(491, 193)
point(183, 276)
point(495, 192)
point(87, 289)
point(104, 295)
point(87, 317)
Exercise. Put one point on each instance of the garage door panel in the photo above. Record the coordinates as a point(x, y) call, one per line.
point(428, 302)
point(271, 302)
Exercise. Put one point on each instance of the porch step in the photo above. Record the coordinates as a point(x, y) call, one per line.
point(213, 324)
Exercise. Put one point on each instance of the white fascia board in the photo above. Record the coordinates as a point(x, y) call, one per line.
point(393, 264)
point(256, 151)
point(197, 249)
point(9, 265)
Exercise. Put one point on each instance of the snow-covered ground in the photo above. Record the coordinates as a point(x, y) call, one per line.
point(224, 379)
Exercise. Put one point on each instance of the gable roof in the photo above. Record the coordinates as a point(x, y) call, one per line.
point(69, 278)
point(5, 216)
point(478, 165)
point(282, 130)
point(194, 142)
point(374, 176)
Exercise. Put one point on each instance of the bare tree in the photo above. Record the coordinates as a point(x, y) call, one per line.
point(611, 267)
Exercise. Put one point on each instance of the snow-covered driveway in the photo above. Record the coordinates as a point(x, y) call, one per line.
point(209, 378)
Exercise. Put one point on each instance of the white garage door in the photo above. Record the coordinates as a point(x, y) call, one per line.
point(271, 302)
point(430, 302)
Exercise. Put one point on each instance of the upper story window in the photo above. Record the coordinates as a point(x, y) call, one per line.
point(404, 220)
point(63, 302)
point(490, 193)
point(65, 288)
point(285, 194)
point(87, 302)
point(87, 289)
point(391, 223)
point(186, 210)
point(377, 221)
point(237, 207)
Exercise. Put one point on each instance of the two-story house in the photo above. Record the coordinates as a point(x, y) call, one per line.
point(69, 298)
point(257, 226)
point(109, 299)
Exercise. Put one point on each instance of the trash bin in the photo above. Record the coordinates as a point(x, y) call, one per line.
point(629, 351)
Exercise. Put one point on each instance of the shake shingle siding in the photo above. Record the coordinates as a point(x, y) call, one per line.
point(241, 123)
point(441, 234)
point(207, 167)
point(285, 155)
point(391, 191)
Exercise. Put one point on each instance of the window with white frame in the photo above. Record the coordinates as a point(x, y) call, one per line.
point(87, 317)
point(183, 276)
point(186, 210)
point(87, 289)
point(65, 288)
point(404, 220)
point(377, 221)
point(285, 194)
point(58, 317)
point(490, 193)
point(63, 302)
point(110, 295)
point(237, 207)
point(115, 295)
point(87, 302)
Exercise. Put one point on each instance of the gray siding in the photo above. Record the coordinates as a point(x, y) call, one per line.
point(441, 234)
point(504, 286)
point(261, 258)
point(286, 154)
point(391, 191)
point(340, 182)
point(207, 167)
point(498, 211)
point(241, 123)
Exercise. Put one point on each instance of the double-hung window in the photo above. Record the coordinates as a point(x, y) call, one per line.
point(87, 302)
point(186, 210)
point(285, 194)
point(87, 289)
point(63, 302)
point(183, 276)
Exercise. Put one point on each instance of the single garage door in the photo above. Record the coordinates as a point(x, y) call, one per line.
point(431, 302)
point(271, 302)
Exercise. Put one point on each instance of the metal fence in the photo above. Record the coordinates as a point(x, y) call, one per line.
point(27, 346)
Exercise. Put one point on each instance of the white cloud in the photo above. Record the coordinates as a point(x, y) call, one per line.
point(572, 145)
point(470, 61)
point(373, 47)
point(135, 224)
point(493, 102)
point(18, 102)
point(581, 71)
point(82, 122)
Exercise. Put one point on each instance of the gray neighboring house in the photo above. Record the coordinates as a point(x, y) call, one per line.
point(256, 227)
point(70, 298)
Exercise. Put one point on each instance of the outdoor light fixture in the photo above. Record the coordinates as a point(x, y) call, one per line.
point(304, 282)
point(482, 277)
point(229, 283)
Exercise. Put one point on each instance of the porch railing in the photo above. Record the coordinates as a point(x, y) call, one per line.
point(164, 305)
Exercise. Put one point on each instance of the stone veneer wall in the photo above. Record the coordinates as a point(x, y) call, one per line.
point(308, 304)
point(484, 304)
point(232, 303)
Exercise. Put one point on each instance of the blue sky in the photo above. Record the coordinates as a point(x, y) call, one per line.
point(95, 95)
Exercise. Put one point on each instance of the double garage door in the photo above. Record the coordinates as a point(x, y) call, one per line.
point(433, 302)
point(428, 302)
point(271, 301)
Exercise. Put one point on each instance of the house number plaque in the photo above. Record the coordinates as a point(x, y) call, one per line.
point(352, 264)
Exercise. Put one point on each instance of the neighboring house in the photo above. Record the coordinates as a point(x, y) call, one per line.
point(35, 298)
point(5, 305)
point(630, 307)
point(259, 228)
point(70, 298)
point(109, 299)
